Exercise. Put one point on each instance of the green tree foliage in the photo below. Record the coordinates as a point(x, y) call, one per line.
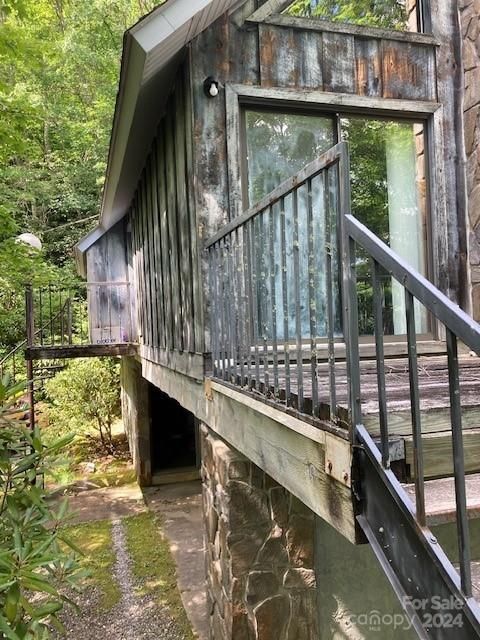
point(86, 395)
point(36, 560)
point(59, 66)
point(389, 14)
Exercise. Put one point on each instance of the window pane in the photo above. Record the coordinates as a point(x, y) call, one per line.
point(388, 14)
point(279, 145)
point(389, 196)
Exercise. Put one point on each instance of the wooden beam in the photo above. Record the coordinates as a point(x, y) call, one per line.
point(289, 450)
point(267, 9)
point(190, 364)
point(81, 351)
point(326, 26)
point(324, 100)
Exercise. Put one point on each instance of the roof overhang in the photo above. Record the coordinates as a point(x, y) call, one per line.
point(152, 51)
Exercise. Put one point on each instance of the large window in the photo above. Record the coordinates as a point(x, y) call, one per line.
point(388, 195)
point(389, 14)
point(280, 144)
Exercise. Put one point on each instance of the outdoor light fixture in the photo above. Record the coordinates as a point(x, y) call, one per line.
point(210, 87)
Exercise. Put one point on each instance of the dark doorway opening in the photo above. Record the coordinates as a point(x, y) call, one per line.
point(173, 435)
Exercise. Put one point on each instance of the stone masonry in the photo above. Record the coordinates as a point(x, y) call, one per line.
point(470, 23)
point(259, 551)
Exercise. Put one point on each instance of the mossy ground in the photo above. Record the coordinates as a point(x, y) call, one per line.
point(94, 539)
point(154, 567)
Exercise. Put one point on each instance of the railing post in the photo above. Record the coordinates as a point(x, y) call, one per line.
point(30, 330)
point(349, 291)
point(69, 318)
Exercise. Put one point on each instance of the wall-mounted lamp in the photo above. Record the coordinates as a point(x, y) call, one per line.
point(210, 87)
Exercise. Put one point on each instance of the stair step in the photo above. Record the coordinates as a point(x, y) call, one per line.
point(437, 453)
point(434, 419)
point(440, 499)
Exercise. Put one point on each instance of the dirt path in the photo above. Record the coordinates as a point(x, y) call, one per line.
point(133, 618)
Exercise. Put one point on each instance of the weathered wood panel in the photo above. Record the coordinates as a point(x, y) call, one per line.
point(243, 36)
point(108, 304)
point(157, 249)
point(290, 58)
point(164, 235)
point(209, 55)
point(198, 334)
point(408, 71)
point(172, 227)
point(338, 63)
point(128, 229)
point(351, 63)
point(164, 253)
point(183, 216)
point(368, 67)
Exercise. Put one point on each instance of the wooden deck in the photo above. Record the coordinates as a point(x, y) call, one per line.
point(53, 352)
point(434, 403)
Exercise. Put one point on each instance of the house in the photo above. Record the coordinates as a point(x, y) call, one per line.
point(316, 377)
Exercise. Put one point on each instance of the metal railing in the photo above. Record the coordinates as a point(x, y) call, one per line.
point(275, 290)
point(458, 326)
point(13, 364)
point(284, 298)
point(86, 313)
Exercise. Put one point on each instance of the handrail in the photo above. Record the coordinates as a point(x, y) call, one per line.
point(449, 313)
point(277, 274)
point(265, 271)
point(458, 325)
point(38, 331)
point(318, 165)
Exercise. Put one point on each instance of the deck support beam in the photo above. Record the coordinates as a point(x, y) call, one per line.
point(291, 451)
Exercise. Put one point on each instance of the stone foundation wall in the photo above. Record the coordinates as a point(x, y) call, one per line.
point(470, 24)
point(259, 551)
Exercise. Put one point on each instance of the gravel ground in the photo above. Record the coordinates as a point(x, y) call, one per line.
point(133, 618)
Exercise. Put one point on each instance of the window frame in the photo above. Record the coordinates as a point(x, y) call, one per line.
point(241, 97)
point(273, 10)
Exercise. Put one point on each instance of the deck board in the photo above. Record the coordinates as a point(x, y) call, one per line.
point(53, 352)
point(433, 383)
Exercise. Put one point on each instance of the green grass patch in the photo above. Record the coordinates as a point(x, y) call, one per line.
point(154, 567)
point(94, 539)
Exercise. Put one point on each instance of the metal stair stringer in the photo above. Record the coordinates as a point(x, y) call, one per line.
point(423, 578)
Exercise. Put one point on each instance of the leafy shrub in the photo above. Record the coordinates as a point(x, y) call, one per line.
point(85, 395)
point(36, 560)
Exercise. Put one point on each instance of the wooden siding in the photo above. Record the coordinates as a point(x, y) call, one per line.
point(163, 253)
point(346, 63)
point(357, 70)
point(109, 305)
point(293, 54)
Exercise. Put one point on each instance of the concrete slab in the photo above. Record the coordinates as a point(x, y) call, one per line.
point(180, 506)
point(109, 503)
point(440, 501)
